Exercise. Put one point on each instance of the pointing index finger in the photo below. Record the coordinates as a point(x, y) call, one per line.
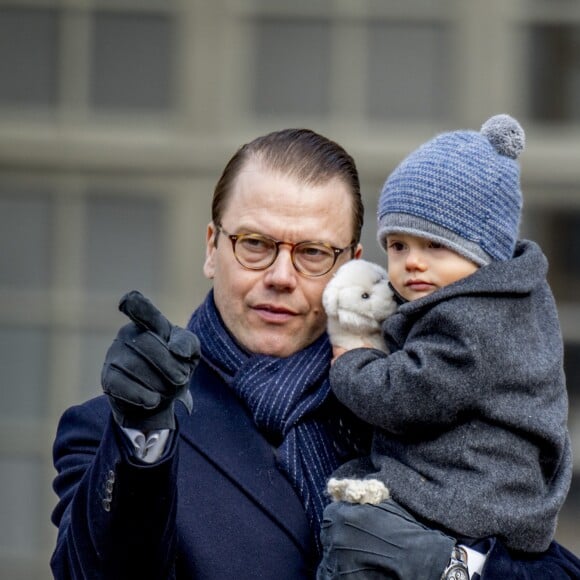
point(145, 314)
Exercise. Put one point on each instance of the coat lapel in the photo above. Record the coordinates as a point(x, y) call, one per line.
point(222, 431)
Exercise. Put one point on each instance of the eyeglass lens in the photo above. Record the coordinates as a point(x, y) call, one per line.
point(311, 258)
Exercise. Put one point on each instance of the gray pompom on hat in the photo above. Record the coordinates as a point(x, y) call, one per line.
point(461, 189)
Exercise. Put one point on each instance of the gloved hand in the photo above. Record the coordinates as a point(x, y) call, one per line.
point(148, 367)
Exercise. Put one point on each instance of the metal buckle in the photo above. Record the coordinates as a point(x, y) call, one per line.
point(457, 567)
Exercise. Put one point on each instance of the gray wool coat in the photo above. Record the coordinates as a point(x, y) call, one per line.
point(470, 407)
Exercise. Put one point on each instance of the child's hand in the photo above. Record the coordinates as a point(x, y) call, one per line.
point(336, 352)
point(339, 350)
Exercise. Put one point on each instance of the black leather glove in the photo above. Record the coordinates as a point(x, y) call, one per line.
point(148, 367)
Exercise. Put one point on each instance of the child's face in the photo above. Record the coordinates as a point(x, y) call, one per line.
point(418, 267)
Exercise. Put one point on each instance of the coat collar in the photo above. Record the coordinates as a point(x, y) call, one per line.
point(221, 430)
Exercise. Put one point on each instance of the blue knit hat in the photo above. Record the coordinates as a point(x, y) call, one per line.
point(461, 189)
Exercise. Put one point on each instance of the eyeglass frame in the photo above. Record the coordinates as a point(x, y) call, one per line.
point(235, 237)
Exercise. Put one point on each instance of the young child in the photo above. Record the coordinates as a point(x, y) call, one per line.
point(470, 406)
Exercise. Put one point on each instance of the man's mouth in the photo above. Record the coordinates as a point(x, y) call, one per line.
point(272, 313)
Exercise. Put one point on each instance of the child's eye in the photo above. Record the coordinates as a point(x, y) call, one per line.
point(435, 245)
point(396, 246)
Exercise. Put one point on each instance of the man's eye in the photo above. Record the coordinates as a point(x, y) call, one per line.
point(255, 244)
point(314, 252)
point(311, 251)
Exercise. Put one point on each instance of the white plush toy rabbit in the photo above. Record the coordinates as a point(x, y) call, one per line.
point(357, 299)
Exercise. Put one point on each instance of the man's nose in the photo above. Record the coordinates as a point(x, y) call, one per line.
point(282, 272)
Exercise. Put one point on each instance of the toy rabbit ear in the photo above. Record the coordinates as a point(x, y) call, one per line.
point(380, 272)
point(330, 300)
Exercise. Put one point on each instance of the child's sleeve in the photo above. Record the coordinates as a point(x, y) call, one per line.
point(429, 382)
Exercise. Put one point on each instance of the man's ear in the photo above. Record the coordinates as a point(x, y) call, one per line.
point(358, 252)
point(210, 251)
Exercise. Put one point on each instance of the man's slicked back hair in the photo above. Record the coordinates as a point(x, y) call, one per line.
point(299, 153)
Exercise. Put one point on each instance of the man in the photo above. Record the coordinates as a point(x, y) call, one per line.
point(218, 503)
point(235, 488)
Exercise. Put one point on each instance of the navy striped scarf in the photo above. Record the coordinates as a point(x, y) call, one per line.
point(283, 396)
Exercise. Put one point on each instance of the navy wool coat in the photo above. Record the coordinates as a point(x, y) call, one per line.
point(214, 507)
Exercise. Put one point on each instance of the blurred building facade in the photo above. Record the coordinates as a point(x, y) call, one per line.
point(117, 116)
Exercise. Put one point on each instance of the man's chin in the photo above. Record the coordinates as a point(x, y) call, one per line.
point(280, 346)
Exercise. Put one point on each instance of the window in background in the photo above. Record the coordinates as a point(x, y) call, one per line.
point(24, 372)
point(132, 61)
point(20, 480)
point(410, 71)
point(554, 70)
point(125, 244)
point(562, 246)
point(292, 67)
point(25, 239)
point(28, 56)
point(572, 365)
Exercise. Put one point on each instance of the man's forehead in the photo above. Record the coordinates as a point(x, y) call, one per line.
point(289, 208)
